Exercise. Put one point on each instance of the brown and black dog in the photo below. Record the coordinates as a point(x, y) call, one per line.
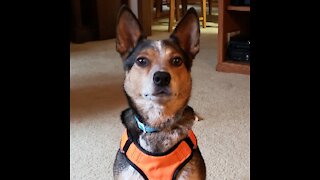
point(158, 142)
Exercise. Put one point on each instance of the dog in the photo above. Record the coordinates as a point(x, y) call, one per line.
point(158, 142)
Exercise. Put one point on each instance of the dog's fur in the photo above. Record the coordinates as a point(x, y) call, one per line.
point(163, 107)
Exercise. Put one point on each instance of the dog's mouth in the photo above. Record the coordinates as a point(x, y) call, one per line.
point(161, 92)
point(159, 95)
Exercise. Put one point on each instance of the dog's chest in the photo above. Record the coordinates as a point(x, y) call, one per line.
point(162, 141)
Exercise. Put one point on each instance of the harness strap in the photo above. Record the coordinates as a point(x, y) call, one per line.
point(125, 142)
point(161, 166)
point(192, 137)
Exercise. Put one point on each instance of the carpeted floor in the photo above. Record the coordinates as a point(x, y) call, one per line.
point(97, 100)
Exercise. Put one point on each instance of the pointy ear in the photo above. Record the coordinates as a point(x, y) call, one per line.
point(187, 33)
point(129, 31)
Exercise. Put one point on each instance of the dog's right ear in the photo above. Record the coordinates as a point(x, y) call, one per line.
point(129, 32)
point(187, 33)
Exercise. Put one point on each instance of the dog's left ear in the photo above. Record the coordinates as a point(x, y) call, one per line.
point(187, 33)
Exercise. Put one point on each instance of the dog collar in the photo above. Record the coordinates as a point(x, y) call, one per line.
point(143, 127)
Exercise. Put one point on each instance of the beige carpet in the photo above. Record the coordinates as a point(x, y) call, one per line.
point(97, 99)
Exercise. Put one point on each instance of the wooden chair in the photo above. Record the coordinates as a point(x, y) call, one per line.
point(175, 15)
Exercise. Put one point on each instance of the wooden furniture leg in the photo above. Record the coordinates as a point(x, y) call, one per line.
point(158, 8)
point(204, 13)
point(172, 12)
point(210, 6)
point(184, 5)
point(177, 10)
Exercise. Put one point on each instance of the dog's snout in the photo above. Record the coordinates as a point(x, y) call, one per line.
point(161, 78)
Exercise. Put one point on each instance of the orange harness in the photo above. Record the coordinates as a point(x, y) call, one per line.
point(160, 166)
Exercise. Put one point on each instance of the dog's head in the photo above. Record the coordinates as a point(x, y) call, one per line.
point(158, 79)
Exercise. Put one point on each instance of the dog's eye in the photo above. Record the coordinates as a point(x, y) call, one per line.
point(142, 62)
point(177, 61)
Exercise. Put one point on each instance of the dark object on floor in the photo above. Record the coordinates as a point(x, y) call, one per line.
point(239, 48)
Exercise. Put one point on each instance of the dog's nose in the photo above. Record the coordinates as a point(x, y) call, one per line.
point(161, 78)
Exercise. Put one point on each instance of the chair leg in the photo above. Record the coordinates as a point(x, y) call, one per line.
point(171, 18)
point(177, 10)
point(204, 13)
point(184, 5)
point(158, 8)
point(210, 6)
